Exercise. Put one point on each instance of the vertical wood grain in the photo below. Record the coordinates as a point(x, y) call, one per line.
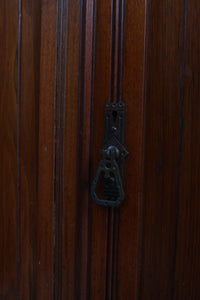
point(30, 80)
point(162, 140)
point(117, 277)
point(101, 94)
point(61, 60)
point(9, 88)
point(113, 214)
point(70, 163)
point(83, 155)
point(59, 150)
point(133, 96)
point(187, 275)
point(46, 243)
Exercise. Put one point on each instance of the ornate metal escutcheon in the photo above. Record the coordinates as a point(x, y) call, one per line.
point(109, 175)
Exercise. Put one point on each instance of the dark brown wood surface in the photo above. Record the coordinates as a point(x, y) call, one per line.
point(29, 82)
point(60, 62)
point(162, 141)
point(101, 93)
point(134, 97)
point(70, 163)
point(9, 151)
point(187, 260)
point(46, 145)
point(170, 240)
point(115, 233)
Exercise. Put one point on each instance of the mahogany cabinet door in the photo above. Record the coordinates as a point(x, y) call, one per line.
point(60, 62)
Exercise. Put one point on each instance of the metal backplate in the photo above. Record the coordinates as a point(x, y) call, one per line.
point(111, 168)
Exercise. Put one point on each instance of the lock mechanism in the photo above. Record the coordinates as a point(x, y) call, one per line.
point(107, 188)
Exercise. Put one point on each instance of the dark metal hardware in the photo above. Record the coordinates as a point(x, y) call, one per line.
point(111, 167)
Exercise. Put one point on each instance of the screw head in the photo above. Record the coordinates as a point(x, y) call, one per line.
point(114, 129)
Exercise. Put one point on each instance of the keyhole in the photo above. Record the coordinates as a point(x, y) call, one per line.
point(114, 114)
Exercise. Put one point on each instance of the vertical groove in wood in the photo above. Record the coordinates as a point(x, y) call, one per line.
point(117, 50)
point(116, 95)
point(107, 253)
point(145, 85)
point(58, 93)
point(117, 43)
point(56, 112)
point(121, 51)
point(9, 84)
point(116, 255)
point(59, 144)
point(180, 148)
point(18, 150)
point(62, 145)
point(78, 229)
point(84, 137)
point(91, 144)
point(113, 22)
point(101, 94)
point(133, 95)
point(113, 95)
point(117, 39)
point(110, 252)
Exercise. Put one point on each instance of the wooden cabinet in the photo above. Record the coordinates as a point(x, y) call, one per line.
point(61, 61)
